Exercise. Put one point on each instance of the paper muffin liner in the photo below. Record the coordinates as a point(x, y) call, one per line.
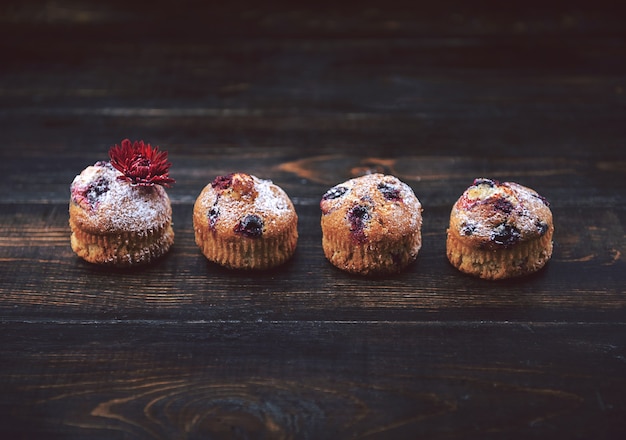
point(238, 252)
point(122, 249)
point(522, 259)
point(384, 256)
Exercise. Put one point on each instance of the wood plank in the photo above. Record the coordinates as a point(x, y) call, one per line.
point(43, 176)
point(41, 277)
point(311, 95)
point(175, 379)
point(352, 75)
point(327, 18)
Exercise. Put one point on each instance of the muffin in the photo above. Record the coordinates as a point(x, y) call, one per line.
point(499, 230)
point(371, 225)
point(120, 214)
point(243, 222)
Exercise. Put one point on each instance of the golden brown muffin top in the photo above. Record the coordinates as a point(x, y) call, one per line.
point(372, 207)
point(493, 215)
point(242, 205)
point(102, 202)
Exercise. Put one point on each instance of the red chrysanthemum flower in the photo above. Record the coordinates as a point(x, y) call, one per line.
point(141, 164)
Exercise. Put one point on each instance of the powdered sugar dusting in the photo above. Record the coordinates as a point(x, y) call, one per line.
point(122, 206)
point(395, 200)
point(248, 195)
point(270, 198)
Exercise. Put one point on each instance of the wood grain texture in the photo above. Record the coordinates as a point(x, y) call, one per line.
point(223, 380)
point(310, 95)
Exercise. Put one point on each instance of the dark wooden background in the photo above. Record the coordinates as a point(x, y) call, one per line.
point(310, 95)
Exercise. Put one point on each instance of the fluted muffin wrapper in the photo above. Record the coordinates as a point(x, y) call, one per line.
point(521, 259)
point(380, 257)
point(122, 249)
point(239, 252)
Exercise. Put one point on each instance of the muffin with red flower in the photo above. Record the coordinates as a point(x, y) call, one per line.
point(243, 222)
point(120, 214)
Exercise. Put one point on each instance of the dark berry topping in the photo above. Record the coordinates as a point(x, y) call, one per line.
point(389, 191)
point(96, 189)
point(542, 227)
point(505, 235)
point(358, 217)
point(542, 198)
point(483, 181)
point(214, 213)
point(503, 205)
point(334, 192)
point(250, 226)
point(468, 229)
point(222, 182)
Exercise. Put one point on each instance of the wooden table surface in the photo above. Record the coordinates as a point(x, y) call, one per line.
point(309, 95)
